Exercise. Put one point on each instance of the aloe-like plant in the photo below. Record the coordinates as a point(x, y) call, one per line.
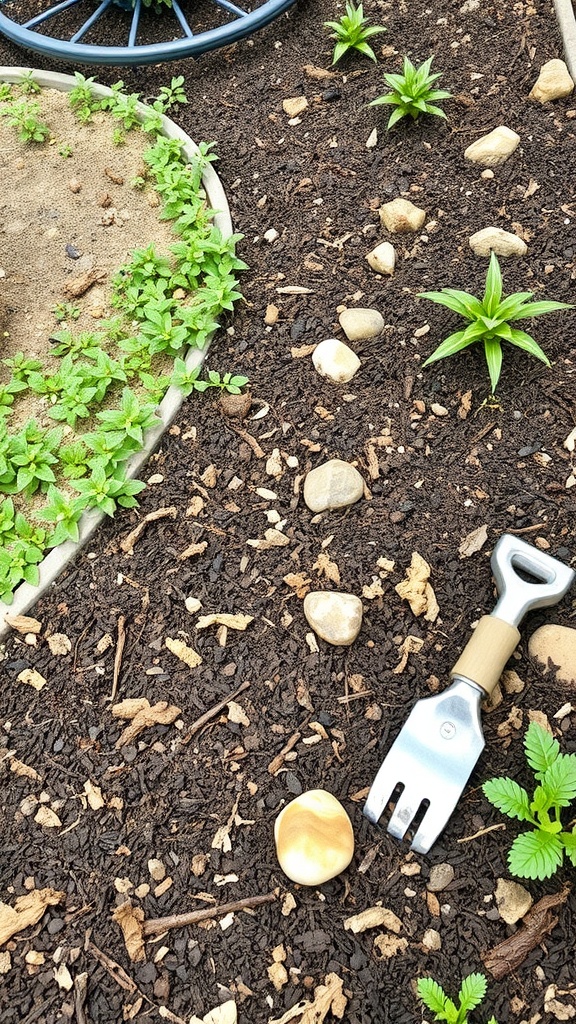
point(412, 93)
point(352, 33)
point(489, 321)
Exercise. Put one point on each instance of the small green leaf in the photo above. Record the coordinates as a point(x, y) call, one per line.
point(493, 354)
point(433, 996)
point(493, 290)
point(450, 346)
point(559, 780)
point(538, 308)
point(508, 797)
point(535, 855)
point(541, 748)
point(524, 341)
point(568, 840)
point(471, 994)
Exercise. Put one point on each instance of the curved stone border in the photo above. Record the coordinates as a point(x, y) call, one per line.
point(567, 23)
point(26, 595)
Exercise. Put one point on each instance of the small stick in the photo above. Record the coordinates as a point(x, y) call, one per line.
point(80, 991)
point(538, 922)
point(278, 761)
point(529, 529)
point(160, 924)
point(129, 541)
point(482, 832)
point(208, 715)
point(258, 451)
point(114, 970)
point(118, 656)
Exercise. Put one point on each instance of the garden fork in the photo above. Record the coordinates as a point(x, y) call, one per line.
point(435, 752)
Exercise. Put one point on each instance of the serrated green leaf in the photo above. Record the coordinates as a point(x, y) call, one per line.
point(540, 747)
point(568, 840)
point(433, 996)
point(559, 780)
point(508, 797)
point(535, 855)
point(471, 994)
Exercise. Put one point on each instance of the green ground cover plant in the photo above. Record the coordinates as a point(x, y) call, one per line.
point(489, 321)
point(412, 93)
point(540, 852)
point(352, 32)
point(104, 394)
point(471, 994)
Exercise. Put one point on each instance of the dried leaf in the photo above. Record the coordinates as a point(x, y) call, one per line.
point(473, 542)
point(326, 567)
point(272, 539)
point(226, 1013)
point(569, 443)
point(299, 582)
point(24, 770)
point(27, 911)
point(131, 920)
point(416, 589)
point(63, 978)
point(186, 654)
point(387, 946)
point(373, 917)
point(193, 550)
point(239, 621)
point(23, 623)
point(32, 677)
point(94, 795)
point(143, 715)
point(221, 840)
point(373, 590)
point(328, 998)
point(411, 645)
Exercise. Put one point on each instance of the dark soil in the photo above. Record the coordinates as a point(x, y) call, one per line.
point(503, 465)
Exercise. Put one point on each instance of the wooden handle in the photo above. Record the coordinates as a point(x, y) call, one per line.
point(487, 651)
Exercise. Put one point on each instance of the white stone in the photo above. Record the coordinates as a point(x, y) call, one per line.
point(555, 647)
point(271, 235)
point(513, 900)
point(469, 6)
point(401, 215)
point(553, 83)
point(360, 324)
point(335, 617)
point(494, 148)
point(431, 940)
point(492, 239)
point(333, 359)
point(382, 259)
point(335, 484)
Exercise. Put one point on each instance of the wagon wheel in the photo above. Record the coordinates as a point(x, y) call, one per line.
point(77, 30)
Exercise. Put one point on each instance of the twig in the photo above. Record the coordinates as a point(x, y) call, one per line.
point(80, 991)
point(160, 924)
point(114, 970)
point(483, 832)
point(539, 922)
point(277, 762)
point(354, 696)
point(118, 655)
point(251, 441)
point(208, 715)
point(529, 529)
point(129, 541)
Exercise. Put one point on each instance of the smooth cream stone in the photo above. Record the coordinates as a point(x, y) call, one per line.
point(494, 148)
point(513, 900)
point(401, 215)
point(553, 83)
point(314, 838)
point(335, 484)
point(503, 243)
point(382, 259)
point(335, 617)
point(555, 647)
point(333, 359)
point(360, 324)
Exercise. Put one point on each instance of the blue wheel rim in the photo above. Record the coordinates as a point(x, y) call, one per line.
point(189, 43)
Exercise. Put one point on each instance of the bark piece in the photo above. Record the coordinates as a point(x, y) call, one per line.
point(539, 922)
point(131, 921)
point(27, 910)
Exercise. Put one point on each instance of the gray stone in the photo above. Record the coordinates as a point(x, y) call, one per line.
point(492, 239)
point(333, 359)
point(553, 83)
point(335, 617)
point(382, 259)
point(359, 324)
point(440, 876)
point(555, 647)
point(400, 216)
point(335, 484)
point(493, 149)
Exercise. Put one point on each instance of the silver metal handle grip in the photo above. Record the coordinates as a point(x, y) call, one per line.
point(549, 579)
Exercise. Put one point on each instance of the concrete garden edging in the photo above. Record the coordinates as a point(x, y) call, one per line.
point(51, 566)
point(567, 24)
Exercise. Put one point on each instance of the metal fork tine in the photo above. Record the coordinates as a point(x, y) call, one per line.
point(406, 807)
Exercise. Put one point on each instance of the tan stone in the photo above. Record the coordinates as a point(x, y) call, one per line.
point(555, 648)
point(335, 360)
point(382, 259)
point(400, 216)
point(492, 239)
point(553, 83)
point(495, 148)
point(360, 324)
point(513, 900)
point(314, 838)
point(335, 617)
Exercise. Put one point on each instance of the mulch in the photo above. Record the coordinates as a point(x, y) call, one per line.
point(502, 465)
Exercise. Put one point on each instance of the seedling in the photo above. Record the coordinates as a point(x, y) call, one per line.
point(28, 83)
point(540, 852)
point(187, 380)
point(65, 150)
point(64, 513)
point(82, 98)
point(105, 492)
point(65, 311)
point(23, 115)
point(352, 33)
point(471, 994)
point(489, 321)
point(413, 92)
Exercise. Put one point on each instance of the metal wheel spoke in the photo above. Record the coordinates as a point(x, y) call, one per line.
point(62, 36)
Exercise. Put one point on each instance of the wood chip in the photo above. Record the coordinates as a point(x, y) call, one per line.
point(77, 286)
point(32, 678)
point(186, 654)
point(373, 917)
point(239, 621)
point(23, 623)
point(27, 911)
point(538, 922)
point(328, 999)
point(193, 550)
point(59, 644)
point(131, 920)
point(46, 817)
point(473, 542)
point(326, 567)
point(142, 715)
point(417, 590)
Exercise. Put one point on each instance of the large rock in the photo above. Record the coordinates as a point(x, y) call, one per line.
point(335, 617)
point(333, 359)
point(503, 243)
point(553, 83)
point(555, 647)
point(359, 324)
point(335, 484)
point(494, 148)
point(401, 216)
point(382, 259)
